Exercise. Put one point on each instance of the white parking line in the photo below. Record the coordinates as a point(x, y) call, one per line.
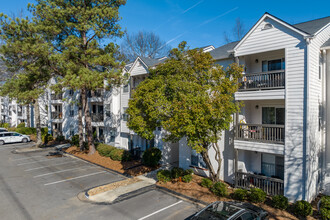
point(26, 158)
point(160, 210)
point(78, 177)
point(20, 164)
point(62, 171)
point(37, 168)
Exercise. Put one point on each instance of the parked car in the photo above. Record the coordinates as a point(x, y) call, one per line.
point(3, 130)
point(231, 210)
point(13, 137)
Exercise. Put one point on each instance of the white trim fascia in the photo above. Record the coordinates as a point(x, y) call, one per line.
point(266, 15)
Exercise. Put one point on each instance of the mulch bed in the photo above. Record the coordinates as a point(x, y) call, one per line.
point(195, 190)
point(133, 167)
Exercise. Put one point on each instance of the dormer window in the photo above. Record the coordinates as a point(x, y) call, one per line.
point(267, 26)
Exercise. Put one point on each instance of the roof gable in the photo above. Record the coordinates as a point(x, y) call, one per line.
point(313, 26)
point(279, 21)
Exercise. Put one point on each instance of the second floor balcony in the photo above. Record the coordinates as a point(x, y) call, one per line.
point(96, 94)
point(97, 117)
point(57, 115)
point(57, 96)
point(263, 81)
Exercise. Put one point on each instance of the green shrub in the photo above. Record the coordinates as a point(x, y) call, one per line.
point(188, 172)
point(302, 208)
point(207, 183)
point(325, 207)
point(280, 202)
point(60, 138)
point(105, 150)
point(164, 176)
point(257, 195)
point(4, 125)
point(75, 140)
point(240, 194)
point(187, 178)
point(151, 157)
point(44, 131)
point(46, 138)
point(177, 172)
point(219, 189)
point(120, 155)
point(21, 125)
point(26, 130)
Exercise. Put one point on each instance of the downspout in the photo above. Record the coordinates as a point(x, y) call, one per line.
point(305, 123)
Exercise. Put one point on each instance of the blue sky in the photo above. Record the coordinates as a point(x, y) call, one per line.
point(201, 22)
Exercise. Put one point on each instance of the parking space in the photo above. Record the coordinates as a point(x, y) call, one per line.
point(34, 186)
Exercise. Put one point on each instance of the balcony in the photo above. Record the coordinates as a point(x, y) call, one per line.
point(260, 133)
point(57, 115)
point(98, 117)
point(56, 96)
point(19, 114)
point(263, 81)
point(272, 186)
point(96, 94)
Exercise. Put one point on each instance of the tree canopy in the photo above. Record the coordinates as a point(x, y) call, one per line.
point(190, 97)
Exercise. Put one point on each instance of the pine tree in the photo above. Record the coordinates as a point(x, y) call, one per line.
point(77, 29)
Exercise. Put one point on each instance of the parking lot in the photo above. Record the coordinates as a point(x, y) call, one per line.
point(39, 187)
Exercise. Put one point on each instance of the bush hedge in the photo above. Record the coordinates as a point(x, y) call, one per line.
point(177, 172)
point(120, 155)
point(188, 172)
point(104, 149)
point(280, 202)
point(187, 178)
point(164, 176)
point(257, 195)
point(21, 125)
point(75, 140)
point(207, 183)
point(151, 157)
point(240, 194)
point(302, 208)
point(4, 125)
point(26, 130)
point(325, 207)
point(219, 189)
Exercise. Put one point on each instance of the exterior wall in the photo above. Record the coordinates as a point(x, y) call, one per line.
point(274, 39)
point(316, 98)
point(326, 184)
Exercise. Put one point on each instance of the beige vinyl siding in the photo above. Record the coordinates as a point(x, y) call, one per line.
point(315, 98)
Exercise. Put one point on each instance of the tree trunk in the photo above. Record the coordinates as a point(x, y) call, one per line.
point(206, 158)
point(217, 158)
point(80, 126)
point(28, 116)
point(37, 122)
point(88, 120)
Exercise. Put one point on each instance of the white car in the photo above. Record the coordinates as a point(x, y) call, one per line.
point(13, 137)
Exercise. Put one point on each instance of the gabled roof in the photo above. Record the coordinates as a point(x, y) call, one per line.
point(326, 45)
point(313, 26)
point(223, 51)
point(151, 62)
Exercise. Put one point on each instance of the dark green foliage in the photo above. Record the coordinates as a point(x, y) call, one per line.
point(187, 178)
point(325, 207)
point(105, 150)
point(219, 189)
point(177, 172)
point(75, 140)
point(60, 138)
point(188, 172)
point(151, 157)
point(280, 202)
point(164, 176)
point(302, 208)
point(240, 194)
point(120, 155)
point(206, 182)
point(46, 138)
point(21, 125)
point(257, 195)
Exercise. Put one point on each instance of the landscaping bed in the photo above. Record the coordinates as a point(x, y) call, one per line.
point(131, 167)
point(195, 190)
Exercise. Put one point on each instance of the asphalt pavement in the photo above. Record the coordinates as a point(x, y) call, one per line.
point(34, 186)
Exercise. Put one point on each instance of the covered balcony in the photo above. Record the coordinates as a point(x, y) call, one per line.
point(55, 97)
point(263, 76)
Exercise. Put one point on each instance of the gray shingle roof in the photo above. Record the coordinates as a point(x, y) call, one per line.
point(313, 26)
point(326, 44)
point(151, 62)
point(222, 52)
